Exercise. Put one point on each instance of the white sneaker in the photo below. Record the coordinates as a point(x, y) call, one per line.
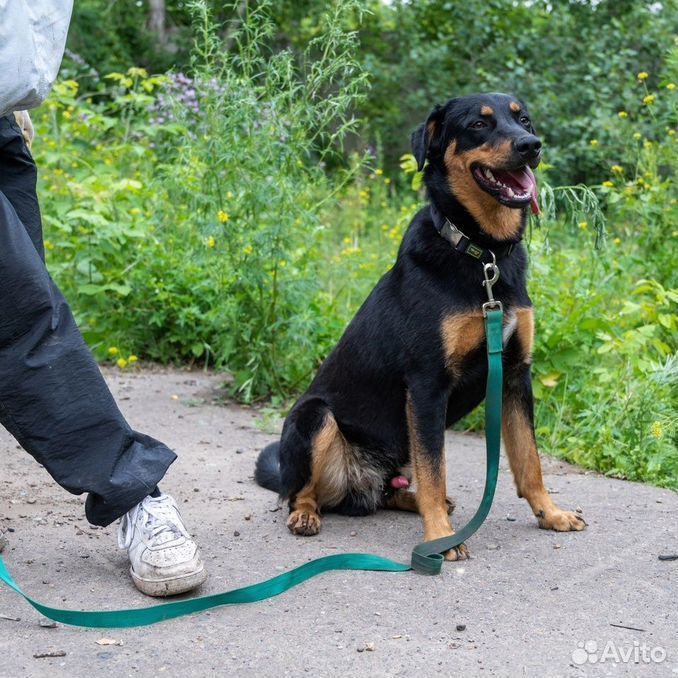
point(165, 560)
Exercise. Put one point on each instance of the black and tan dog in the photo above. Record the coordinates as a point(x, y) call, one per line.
point(413, 361)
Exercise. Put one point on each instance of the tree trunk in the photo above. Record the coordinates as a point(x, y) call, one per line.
point(156, 21)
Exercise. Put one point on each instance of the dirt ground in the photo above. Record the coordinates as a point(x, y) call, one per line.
point(528, 603)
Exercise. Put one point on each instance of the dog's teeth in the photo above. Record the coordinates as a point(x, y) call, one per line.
point(509, 192)
point(489, 175)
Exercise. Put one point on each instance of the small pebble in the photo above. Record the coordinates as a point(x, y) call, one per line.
point(236, 533)
point(461, 627)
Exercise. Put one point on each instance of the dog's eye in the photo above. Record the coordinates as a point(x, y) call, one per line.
point(524, 119)
point(479, 124)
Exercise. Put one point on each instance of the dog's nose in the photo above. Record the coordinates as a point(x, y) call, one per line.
point(528, 146)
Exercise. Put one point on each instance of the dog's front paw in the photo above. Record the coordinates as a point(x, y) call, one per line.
point(460, 552)
point(561, 521)
point(306, 523)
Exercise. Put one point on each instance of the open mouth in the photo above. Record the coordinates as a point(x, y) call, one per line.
point(513, 188)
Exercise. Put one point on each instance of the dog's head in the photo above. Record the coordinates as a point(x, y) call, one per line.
point(480, 150)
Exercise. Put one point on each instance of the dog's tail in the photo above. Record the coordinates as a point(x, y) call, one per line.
point(267, 468)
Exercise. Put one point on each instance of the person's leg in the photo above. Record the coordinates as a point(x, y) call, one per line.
point(53, 399)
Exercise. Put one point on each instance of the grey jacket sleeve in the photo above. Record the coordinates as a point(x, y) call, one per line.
point(32, 40)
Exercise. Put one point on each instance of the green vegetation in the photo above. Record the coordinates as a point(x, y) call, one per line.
point(235, 211)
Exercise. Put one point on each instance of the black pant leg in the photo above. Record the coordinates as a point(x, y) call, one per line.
point(18, 178)
point(53, 399)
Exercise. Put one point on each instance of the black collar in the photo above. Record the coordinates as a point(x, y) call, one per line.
point(462, 243)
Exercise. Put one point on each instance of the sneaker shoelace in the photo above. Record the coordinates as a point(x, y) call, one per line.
point(162, 521)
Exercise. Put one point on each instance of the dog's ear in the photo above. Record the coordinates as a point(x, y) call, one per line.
point(425, 135)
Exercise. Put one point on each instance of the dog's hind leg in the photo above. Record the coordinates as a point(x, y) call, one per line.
point(406, 500)
point(327, 483)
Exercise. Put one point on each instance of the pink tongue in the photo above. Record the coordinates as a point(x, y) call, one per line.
point(524, 180)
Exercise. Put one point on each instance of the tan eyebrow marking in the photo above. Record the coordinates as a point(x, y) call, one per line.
point(514, 106)
point(487, 110)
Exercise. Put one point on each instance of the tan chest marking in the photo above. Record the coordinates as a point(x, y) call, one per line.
point(525, 329)
point(463, 332)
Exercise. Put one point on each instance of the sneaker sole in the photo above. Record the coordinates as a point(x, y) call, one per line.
point(161, 588)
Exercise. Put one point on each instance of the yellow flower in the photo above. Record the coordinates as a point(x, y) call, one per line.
point(113, 350)
point(121, 363)
point(648, 100)
point(211, 242)
point(132, 359)
point(387, 181)
point(48, 244)
point(617, 241)
point(229, 195)
point(671, 86)
point(282, 263)
point(617, 169)
point(623, 114)
point(593, 142)
point(637, 135)
point(608, 184)
point(223, 216)
point(671, 132)
point(67, 115)
point(135, 71)
point(643, 75)
point(248, 249)
point(583, 225)
point(656, 430)
point(379, 172)
point(134, 211)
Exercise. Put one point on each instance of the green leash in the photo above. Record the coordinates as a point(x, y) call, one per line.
point(426, 558)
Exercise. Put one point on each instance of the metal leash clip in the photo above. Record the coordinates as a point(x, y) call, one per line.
point(491, 273)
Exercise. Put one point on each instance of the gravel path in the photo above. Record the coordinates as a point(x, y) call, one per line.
point(528, 603)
